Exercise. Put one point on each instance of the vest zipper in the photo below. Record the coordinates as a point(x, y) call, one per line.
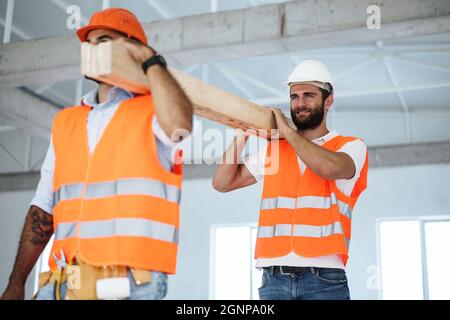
point(292, 225)
point(83, 193)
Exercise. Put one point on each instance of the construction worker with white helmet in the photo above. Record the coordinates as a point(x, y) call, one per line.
point(110, 184)
point(306, 206)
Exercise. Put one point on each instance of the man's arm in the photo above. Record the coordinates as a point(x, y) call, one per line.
point(173, 108)
point(231, 174)
point(327, 164)
point(37, 231)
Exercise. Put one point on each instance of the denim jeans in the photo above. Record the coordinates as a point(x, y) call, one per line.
point(314, 284)
point(154, 290)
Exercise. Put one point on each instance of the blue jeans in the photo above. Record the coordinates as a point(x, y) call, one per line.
point(154, 290)
point(313, 284)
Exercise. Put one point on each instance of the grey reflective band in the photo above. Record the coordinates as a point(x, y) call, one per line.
point(344, 209)
point(300, 230)
point(278, 202)
point(305, 203)
point(132, 186)
point(304, 230)
point(68, 191)
point(324, 203)
point(274, 231)
point(65, 230)
point(119, 227)
point(314, 202)
point(128, 227)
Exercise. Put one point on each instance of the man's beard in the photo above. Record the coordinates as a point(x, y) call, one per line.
point(312, 121)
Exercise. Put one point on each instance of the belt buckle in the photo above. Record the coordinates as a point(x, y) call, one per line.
point(293, 270)
point(284, 273)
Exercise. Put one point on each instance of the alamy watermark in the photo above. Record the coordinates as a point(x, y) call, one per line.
point(73, 22)
point(210, 147)
point(373, 280)
point(374, 18)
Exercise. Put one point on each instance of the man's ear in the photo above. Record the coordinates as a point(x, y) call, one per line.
point(328, 102)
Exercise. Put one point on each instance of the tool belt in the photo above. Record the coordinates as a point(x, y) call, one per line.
point(82, 278)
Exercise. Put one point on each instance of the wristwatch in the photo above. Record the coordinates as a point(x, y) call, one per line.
point(156, 59)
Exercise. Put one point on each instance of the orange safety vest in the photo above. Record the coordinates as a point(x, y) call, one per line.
point(118, 205)
point(305, 213)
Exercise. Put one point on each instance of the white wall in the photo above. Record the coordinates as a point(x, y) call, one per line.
point(392, 192)
point(407, 191)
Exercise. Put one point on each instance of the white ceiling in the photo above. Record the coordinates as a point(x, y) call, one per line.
point(387, 92)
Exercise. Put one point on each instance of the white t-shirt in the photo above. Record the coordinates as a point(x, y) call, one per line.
point(357, 150)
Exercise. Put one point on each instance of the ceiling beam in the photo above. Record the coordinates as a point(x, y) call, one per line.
point(262, 30)
point(409, 154)
point(379, 157)
point(11, 182)
point(27, 111)
point(45, 87)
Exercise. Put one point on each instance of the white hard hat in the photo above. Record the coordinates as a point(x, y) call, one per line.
point(310, 71)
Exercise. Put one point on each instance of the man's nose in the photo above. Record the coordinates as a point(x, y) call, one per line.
point(302, 101)
point(298, 103)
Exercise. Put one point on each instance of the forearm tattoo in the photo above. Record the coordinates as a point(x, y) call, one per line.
point(41, 226)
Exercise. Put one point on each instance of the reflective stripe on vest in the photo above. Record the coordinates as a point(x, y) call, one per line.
point(301, 230)
point(137, 186)
point(306, 202)
point(118, 227)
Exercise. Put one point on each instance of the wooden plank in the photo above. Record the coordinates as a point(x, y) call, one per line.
point(110, 62)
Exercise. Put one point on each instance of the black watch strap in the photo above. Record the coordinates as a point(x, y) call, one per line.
point(156, 59)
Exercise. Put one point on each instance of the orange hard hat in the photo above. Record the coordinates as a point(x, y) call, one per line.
point(116, 19)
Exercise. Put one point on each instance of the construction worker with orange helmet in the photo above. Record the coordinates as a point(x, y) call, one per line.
point(307, 200)
point(110, 185)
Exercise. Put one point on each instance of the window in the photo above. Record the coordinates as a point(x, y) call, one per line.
point(234, 275)
point(437, 240)
point(414, 258)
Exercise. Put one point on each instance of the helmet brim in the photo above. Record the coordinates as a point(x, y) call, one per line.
point(82, 33)
point(289, 83)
